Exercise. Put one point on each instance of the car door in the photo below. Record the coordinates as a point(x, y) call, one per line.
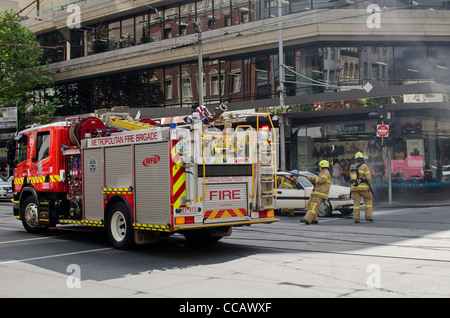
point(291, 198)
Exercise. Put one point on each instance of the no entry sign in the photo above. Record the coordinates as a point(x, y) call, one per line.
point(382, 130)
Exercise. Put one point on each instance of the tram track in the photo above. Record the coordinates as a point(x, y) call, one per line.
point(305, 237)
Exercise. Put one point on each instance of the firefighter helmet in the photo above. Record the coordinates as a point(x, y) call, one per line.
point(359, 155)
point(324, 164)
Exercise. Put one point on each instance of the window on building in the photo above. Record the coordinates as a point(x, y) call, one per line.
point(168, 88)
point(142, 29)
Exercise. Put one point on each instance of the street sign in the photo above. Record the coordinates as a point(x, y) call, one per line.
point(382, 130)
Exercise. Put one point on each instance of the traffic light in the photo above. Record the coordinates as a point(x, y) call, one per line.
point(395, 133)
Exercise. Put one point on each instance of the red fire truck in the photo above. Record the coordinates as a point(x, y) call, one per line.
point(140, 181)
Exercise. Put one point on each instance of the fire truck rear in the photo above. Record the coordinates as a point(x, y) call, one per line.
point(141, 181)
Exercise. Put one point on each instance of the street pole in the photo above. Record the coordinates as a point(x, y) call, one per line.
point(200, 67)
point(389, 163)
point(389, 174)
point(282, 122)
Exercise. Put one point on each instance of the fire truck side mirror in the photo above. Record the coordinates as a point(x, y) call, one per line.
point(11, 153)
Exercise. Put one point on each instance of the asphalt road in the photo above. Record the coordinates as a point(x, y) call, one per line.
point(404, 253)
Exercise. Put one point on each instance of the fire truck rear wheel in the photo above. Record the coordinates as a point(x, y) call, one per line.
point(30, 216)
point(119, 226)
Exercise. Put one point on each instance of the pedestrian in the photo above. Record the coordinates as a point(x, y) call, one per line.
point(288, 183)
point(360, 187)
point(337, 172)
point(346, 170)
point(322, 185)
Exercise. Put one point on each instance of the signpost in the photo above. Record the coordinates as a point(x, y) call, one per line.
point(382, 130)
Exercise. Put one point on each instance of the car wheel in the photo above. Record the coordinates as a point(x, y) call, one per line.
point(325, 209)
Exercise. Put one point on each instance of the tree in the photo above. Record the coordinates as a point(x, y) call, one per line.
point(21, 71)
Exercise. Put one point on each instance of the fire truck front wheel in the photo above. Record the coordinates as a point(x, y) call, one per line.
point(119, 226)
point(30, 216)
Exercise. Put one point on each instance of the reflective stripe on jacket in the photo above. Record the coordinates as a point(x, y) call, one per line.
point(322, 184)
point(286, 183)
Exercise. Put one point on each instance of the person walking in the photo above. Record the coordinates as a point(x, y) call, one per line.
point(360, 187)
point(320, 192)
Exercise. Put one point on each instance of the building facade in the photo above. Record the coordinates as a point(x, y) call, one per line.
point(145, 55)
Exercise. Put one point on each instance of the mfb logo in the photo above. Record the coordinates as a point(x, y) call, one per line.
point(151, 160)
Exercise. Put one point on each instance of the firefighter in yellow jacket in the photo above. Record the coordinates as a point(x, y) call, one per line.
point(322, 185)
point(360, 187)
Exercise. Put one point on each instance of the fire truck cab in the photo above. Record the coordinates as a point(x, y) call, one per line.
point(143, 181)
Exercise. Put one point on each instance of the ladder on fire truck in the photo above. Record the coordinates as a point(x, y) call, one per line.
point(125, 122)
point(267, 178)
point(263, 153)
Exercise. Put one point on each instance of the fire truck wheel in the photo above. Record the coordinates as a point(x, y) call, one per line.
point(119, 226)
point(30, 216)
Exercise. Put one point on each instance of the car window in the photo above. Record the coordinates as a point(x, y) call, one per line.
point(304, 182)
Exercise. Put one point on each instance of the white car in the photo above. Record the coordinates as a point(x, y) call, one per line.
point(5, 188)
point(338, 197)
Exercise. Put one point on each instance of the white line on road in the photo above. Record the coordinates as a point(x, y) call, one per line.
point(30, 239)
point(53, 256)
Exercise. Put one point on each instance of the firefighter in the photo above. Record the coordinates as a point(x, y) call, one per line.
point(322, 185)
point(288, 183)
point(360, 187)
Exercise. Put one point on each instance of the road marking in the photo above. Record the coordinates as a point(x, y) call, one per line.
point(5, 228)
point(56, 255)
point(30, 239)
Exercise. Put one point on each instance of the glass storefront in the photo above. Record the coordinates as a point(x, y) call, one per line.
point(420, 156)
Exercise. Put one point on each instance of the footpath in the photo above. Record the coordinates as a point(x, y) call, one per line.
point(414, 200)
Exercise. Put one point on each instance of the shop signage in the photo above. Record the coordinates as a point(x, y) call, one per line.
point(350, 128)
point(382, 130)
point(8, 117)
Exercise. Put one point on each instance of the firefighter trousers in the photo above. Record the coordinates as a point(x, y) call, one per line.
point(313, 206)
point(367, 197)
